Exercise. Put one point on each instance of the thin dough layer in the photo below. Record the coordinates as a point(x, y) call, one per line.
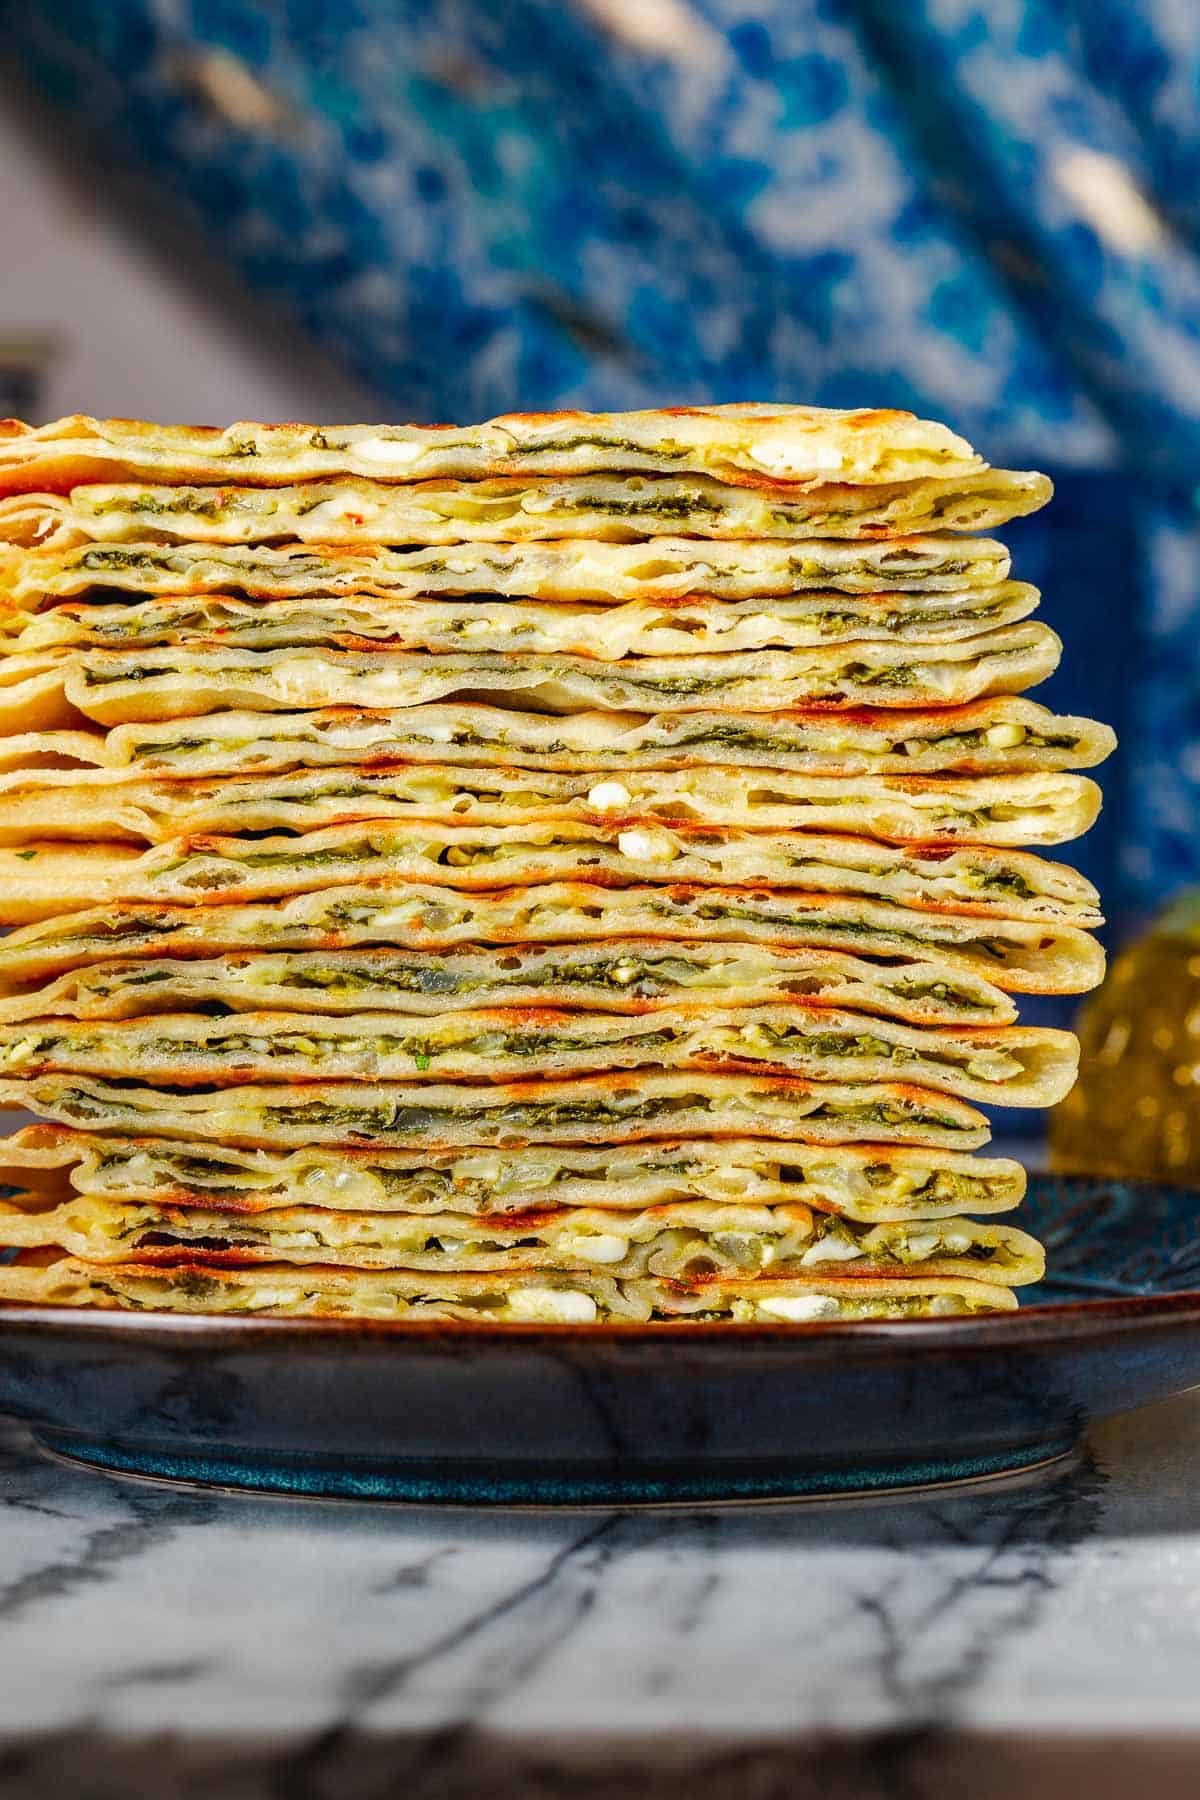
point(512, 510)
point(746, 444)
point(688, 1241)
point(612, 1109)
point(1015, 956)
point(55, 688)
point(197, 1286)
point(1012, 810)
point(48, 878)
point(881, 1183)
point(1007, 1065)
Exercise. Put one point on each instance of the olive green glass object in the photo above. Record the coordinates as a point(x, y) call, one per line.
point(1135, 1109)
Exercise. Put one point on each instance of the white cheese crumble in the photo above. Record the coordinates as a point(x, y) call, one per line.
point(390, 451)
point(609, 796)
point(593, 1246)
point(780, 456)
point(831, 1249)
point(552, 1306)
point(798, 1310)
point(956, 1243)
point(646, 846)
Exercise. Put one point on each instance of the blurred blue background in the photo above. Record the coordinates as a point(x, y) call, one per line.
point(989, 212)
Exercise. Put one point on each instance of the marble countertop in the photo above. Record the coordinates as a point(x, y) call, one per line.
point(171, 1642)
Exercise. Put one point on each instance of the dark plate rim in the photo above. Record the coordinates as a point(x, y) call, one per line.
point(1050, 1322)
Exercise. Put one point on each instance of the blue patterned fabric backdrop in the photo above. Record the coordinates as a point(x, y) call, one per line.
point(988, 210)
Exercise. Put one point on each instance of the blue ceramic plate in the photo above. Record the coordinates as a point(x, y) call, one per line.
point(635, 1414)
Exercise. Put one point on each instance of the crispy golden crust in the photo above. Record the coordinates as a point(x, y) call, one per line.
point(744, 445)
point(659, 568)
point(55, 689)
point(871, 1183)
point(198, 1284)
point(682, 1241)
point(48, 877)
point(983, 737)
point(1015, 956)
point(622, 975)
point(611, 1109)
point(1011, 810)
point(1002, 1065)
point(677, 625)
point(511, 510)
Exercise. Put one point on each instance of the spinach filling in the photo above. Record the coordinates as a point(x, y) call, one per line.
point(752, 1042)
point(361, 851)
point(854, 929)
point(1005, 881)
point(672, 684)
point(423, 1051)
point(626, 974)
point(804, 568)
point(597, 441)
point(370, 1121)
point(940, 615)
point(678, 507)
point(105, 559)
point(582, 1113)
point(344, 916)
point(154, 506)
point(181, 747)
point(740, 734)
point(102, 677)
point(899, 675)
point(941, 1188)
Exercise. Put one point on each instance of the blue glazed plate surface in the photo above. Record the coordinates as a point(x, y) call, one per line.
point(642, 1414)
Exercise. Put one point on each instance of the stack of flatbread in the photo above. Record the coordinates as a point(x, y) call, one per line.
point(572, 868)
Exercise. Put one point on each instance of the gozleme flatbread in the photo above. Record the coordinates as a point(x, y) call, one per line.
point(690, 627)
point(112, 687)
point(512, 510)
point(590, 1110)
point(630, 975)
point(1010, 1065)
point(987, 737)
point(743, 444)
point(879, 1183)
point(684, 1241)
point(48, 877)
point(1019, 809)
point(1012, 955)
point(571, 570)
point(39, 1278)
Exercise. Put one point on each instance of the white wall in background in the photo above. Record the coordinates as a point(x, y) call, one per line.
point(143, 336)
